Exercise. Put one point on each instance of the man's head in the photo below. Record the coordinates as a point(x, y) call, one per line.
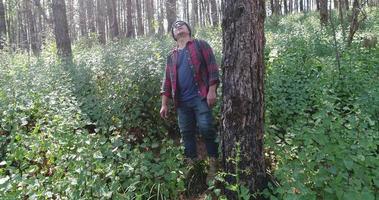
point(180, 29)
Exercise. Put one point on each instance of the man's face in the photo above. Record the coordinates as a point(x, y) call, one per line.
point(180, 29)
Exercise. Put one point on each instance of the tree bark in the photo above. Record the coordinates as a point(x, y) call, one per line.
point(194, 13)
point(82, 18)
point(150, 15)
point(243, 92)
point(3, 26)
point(33, 35)
point(161, 30)
point(129, 27)
point(112, 19)
point(301, 5)
point(215, 21)
point(285, 7)
point(171, 13)
point(90, 15)
point(140, 30)
point(61, 30)
point(100, 18)
point(323, 12)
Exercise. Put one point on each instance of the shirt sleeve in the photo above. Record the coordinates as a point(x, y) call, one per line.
point(166, 83)
point(210, 60)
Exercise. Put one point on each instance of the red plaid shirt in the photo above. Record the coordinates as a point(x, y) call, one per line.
point(202, 63)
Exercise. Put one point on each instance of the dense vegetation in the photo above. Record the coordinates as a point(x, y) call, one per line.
point(92, 129)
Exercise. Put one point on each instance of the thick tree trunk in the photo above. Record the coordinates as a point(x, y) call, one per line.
point(90, 15)
point(129, 27)
point(100, 18)
point(82, 18)
point(140, 30)
point(3, 26)
point(323, 11)
point(243, 96)
point(61, 30)
point(194, 13)
point(171, 13)
point(112, 19)
point(214, 13)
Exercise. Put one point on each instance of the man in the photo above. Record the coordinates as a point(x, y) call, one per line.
point(191, 79)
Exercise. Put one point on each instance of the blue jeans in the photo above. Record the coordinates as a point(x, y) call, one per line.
point(196, 116)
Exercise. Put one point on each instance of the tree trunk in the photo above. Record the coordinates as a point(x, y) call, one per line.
point(112, 19)
point(171, 13)
point(82, 18)
point(150, 15)
point(301, 5)
point(129, 27)
point(71, 20)
point(140, 30)
point(90, 15)
point(214, 13)
point(290, 7)
point(347, 4)
point(285, 7)
point(3, 26)
point(33, 35)
point(61, 30)
point(317, 5)
point(100, 18)
point(354, 24)
point(243, 95)
point(161, 30)
point(323, 12)
point(194, 13)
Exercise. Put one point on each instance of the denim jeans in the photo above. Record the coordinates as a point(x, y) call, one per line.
point(196, 116)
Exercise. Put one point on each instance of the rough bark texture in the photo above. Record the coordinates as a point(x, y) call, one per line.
point(242, 119)
point(100, 18)
point(3, 26)
point(61, 30)
point(171, 13)
point(323, 11)
point(112, 17)
point(140, 30)
point(129, 27)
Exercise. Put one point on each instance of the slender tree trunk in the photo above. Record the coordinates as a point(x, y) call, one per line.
point(214, 13)
point(3, 25)
point(112, 19)
point(290, 7)
point(32, 27)
point(129, 27)
point(90, 15)
point(71, 20)
point(243, 95)
point(150, 15)
point(323, 11)
point(171, 13)
point(301, 5)
point(100, 18)
point(23, 31)
point(347, 4)
point(161, 30)
point(354, 24)
point(61, 30)
point(140, 30)
point(285, 7)
point(82, 18)
point(194, 13)
point(317, 5)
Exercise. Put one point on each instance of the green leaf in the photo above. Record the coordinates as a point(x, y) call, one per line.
point(348, 164)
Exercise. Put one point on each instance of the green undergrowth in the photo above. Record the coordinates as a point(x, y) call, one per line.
point(92, 130)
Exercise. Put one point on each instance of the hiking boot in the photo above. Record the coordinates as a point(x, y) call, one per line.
point(213, 167)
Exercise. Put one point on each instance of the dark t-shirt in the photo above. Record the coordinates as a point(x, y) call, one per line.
point(186, 82)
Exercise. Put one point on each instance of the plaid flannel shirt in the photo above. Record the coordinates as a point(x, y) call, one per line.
point(202, 63)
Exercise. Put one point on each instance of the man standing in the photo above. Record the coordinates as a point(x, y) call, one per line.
point(191, 79)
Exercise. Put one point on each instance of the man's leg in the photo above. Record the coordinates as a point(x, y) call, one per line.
point(187, 126)
point(206, 127)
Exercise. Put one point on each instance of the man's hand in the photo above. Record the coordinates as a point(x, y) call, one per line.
point(211, 97)
point(164, 111)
